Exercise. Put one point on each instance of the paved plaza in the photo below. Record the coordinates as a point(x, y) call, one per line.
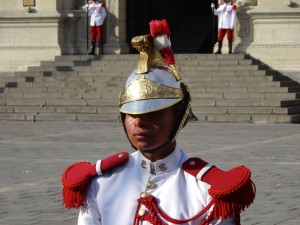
point(34, 155)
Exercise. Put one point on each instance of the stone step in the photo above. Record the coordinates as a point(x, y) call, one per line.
point(69, 91)
point(102, 62)
point(59, 109)
point(97, 57)
point(114, 109)
point(257, 118)
point(231, 86)
point(105, 67)
point(132, 62)
point(242, 95)
point(219, 81)
point(65, 91)
point(220, 68)
point(178, 57)
point(245, 102)
point(189, 57)
point(119, 82)
point(104, 117)
point(212, 102)
point(245, 84)
point(222, 77)
point(58, 102)
point(126, 71)
point(102, 94)
point(194, 73)
point(248, 89)
point(246, 110)
point(213, 62)
point(88, 92)
point(276, 118)
point(92, 75)
point(254, 118)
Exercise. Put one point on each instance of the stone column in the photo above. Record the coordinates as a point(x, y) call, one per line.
point(243, 35)
point(72, 27)
point(81, 44)
point(116, 28)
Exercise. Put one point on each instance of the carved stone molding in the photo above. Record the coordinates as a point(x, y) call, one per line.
point(243, 3)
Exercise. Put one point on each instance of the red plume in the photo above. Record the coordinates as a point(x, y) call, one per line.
point(158, 29)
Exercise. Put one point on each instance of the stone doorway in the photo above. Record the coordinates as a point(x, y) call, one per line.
point(191, 22)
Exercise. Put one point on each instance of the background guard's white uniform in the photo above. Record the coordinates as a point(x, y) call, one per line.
point(227, 13)
point(112, 198)
point(97, 13)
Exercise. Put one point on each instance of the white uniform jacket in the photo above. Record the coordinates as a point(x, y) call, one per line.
point(227, 13)
point(97, 12)
point(112, 197)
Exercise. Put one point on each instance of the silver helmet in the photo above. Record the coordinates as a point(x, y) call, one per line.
point(155, 84)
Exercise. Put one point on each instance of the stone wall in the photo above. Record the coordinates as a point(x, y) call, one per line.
point(29, 35)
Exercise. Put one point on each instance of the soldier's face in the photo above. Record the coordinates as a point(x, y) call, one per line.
point(150, 130)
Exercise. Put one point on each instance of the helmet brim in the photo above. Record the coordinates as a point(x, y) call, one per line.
point(147, 106)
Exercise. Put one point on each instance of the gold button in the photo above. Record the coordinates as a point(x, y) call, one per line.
point(144, 164)
point(192, 163)
point(162, 167)
point(144, 194)
point(141, 212)
point(150, 185)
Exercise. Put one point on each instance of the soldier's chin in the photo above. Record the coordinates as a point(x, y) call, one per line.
point(153, 148)
point(147, 149)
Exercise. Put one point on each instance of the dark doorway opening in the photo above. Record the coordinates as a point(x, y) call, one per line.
point(191, 22)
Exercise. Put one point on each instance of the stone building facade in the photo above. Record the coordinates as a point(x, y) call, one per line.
point(268, 30)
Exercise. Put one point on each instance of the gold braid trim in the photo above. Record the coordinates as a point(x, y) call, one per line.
point(143, 89)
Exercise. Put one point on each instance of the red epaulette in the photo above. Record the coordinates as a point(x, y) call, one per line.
point(232, 191)
point(103, 5)
point(77, 177)
point(234, 7)
point(218, 5)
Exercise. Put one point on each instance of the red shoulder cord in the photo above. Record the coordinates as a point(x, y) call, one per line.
point(152, 216)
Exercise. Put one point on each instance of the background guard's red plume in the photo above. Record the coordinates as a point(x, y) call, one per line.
point(160, 32)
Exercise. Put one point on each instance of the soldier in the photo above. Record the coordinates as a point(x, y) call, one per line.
point(227, 12)
point(97, 12)
point(158, 183)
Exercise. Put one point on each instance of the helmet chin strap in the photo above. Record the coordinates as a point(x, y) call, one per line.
point(152, 150)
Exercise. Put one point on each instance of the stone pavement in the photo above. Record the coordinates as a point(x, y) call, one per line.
point(33, 156)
